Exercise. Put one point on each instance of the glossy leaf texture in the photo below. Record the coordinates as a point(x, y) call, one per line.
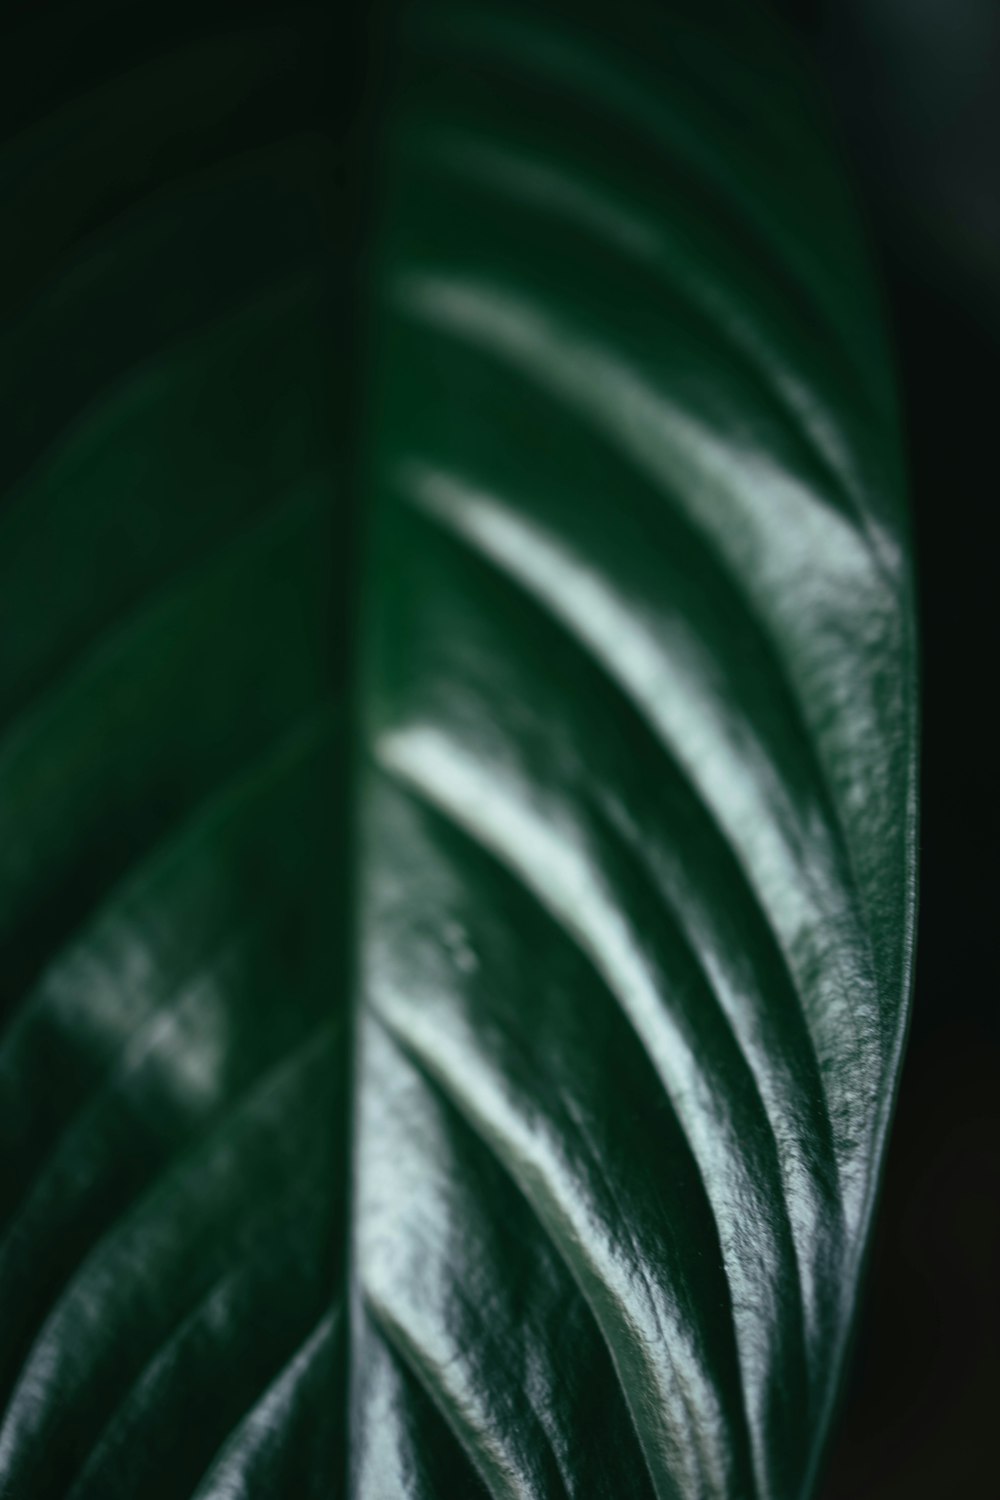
point(453, 987)
point(171, 807)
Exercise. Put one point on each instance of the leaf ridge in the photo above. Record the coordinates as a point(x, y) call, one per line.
point(215, 1485)
point(500, 1479)
point(23, 1400)
point(498, 535)
point(606, 80)
point(248, 780)
point(448, 517)
point(562, 1241)
point(558, 192)
point(398, 765)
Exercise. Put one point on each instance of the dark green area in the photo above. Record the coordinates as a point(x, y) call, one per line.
point(457, 754)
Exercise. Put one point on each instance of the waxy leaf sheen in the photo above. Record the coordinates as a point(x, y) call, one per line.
point(457, 760)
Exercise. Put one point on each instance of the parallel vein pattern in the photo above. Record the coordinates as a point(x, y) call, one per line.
point(512, 1135)
point(172, 1008)
point(637, 913)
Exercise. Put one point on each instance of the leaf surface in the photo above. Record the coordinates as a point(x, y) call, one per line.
point(453, 991)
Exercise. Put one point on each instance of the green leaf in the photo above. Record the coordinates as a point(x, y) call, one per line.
point(454, 981)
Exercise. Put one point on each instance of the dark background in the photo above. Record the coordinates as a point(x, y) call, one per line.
point(915, 88)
